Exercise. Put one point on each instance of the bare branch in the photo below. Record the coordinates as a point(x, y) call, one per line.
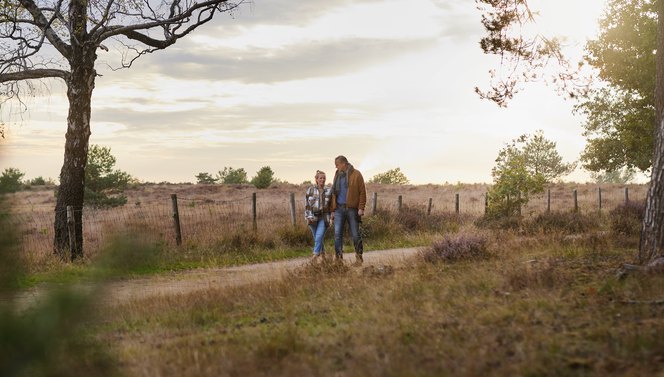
point(177, 19)
point(33, 74)
point(45, 25)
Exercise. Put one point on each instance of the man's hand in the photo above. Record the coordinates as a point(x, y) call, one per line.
point(360, 212)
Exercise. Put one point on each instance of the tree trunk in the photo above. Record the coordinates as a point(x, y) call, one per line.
point(652, 230)
point(80, 84)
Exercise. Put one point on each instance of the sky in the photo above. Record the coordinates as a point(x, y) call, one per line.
point(291, 84)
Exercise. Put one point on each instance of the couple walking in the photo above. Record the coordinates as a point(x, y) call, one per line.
point(343, 202)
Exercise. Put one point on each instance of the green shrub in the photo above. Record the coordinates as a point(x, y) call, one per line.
point(39, 181)
point(390, 177)
point(10, 181)
point(232, 176)
point(101, 180)
point(264, 178)
point(513, 182)
point(205, 179)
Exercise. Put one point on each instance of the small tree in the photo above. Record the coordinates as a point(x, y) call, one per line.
point(264, 177)
point(513, 182)
point(624, 175)
point(390, 177)
point(10, 181)
point(205, 179)
point(101, 180)
point(541, 157)
point(232, 176)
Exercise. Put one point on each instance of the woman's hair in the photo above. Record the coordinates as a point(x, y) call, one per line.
point(318, 173)
point(341, 159)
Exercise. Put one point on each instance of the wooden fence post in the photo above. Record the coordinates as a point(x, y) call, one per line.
point(576, 202)
point(599, 199)
point(548, 200)
point(399, 203)
point(292, 210)
point(486, 203)
point(626, 195)
point(429, 207)
point(456, 203)
point(71, 227)
point(176, 220)
point(253, 211)
point(374, 203)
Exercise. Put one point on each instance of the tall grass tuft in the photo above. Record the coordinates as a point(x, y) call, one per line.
point(627, 218)
point(547, 222)
point(541, 275)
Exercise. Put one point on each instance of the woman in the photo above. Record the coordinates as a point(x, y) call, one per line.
point(317, 212)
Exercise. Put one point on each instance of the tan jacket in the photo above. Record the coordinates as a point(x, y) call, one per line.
point(357, 193)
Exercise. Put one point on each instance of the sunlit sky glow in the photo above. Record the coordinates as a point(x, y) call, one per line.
point(292, 84)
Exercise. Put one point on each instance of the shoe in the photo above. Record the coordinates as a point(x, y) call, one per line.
point(358, 259)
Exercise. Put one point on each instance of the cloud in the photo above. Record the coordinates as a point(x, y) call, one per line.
point(300, 61)
point(233, 119)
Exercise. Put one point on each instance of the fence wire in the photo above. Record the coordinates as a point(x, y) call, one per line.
point(206, 220)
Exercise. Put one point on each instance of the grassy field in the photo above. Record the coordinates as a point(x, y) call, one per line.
point(533, 307)
point(536, 296)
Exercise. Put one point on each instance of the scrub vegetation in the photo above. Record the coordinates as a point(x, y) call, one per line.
point(535, 295)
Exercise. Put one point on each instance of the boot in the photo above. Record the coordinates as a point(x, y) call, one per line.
point(358, 259)
point(339, 257)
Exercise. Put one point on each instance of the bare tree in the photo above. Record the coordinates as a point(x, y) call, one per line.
point(503, 20)
point(59, 39)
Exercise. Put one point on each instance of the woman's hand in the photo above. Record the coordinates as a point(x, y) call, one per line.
point(332, 216)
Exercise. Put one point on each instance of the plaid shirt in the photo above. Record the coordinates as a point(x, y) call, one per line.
point(312, 203)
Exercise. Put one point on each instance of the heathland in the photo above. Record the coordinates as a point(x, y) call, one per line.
point(535, 295)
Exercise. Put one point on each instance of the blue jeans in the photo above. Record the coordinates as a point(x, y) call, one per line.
point(318, 230)
point(341, 216)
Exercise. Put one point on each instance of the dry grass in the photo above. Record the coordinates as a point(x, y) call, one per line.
point(542, 305)
point(209, 213)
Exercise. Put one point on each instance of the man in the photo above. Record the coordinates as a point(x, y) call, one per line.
point(349, 197)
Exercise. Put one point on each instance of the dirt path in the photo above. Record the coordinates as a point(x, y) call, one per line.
point(120, 291)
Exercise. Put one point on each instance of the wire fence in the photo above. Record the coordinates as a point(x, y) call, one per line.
point(206, 220)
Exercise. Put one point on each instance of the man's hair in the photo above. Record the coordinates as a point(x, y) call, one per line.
point(341, 159)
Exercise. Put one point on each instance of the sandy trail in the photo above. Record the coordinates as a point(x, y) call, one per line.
point(125, 290)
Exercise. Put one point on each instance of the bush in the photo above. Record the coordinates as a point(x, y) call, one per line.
point(565, 222)
point(559, 222)
point(101, 180)
point(232, 176)
point(390, 177)
point(205, 179)
point(264, 178)
point(300, 236)
point(627, 218)
point(10, 181)
point(39, 181)
point(411, 218)
point(513, 223)
point(453, 248)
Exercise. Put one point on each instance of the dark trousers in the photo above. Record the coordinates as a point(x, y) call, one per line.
point(341, 216)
